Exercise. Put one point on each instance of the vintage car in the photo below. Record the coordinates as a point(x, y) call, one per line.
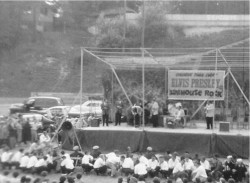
point(88, 107)
point(36, 105)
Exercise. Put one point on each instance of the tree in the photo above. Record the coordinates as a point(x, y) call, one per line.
point(10, 24)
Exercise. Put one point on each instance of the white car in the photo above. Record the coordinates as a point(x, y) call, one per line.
point(58, 111)
point(88, 107)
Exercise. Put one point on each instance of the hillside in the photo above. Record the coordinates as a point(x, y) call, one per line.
point(52, 64)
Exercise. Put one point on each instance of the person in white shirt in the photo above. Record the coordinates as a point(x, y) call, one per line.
point(24, 162)
point(41, 165)
point(113, 161)
point(31, 164)
point(44, 137)
point(164, 167)
point(179, 115)
point(179, 167)
point(5, 158)
point(153, 167)
point(67, 165)
point(188, 165)
point(140, 169)
point(205, 163)
point(143, 159)
point(15, 160)
point(209, 110)
point(173, 161)
point(87, 166)
point(127, 165)
point(100, 165)
point(199, 172)
point(154, 112)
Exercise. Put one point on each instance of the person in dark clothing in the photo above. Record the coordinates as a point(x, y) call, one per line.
point(26, 133)
point(76, 156)
point(118, 114)
point(241, 170)
point(12, 134)
point(95, 153)
point(229, 166)
point(105, 112)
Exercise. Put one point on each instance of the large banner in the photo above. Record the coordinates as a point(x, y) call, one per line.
point(196, 85)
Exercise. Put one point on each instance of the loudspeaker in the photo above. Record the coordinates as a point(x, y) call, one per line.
point(67, 125)
point(224, 126)
point(95, 122)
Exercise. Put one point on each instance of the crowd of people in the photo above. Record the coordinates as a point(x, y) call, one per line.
point(129, 167)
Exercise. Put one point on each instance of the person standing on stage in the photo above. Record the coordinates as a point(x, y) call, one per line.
point(209, 110)
point(154, 112)
point(137, 112)
point(118, 114)
point(105, 112)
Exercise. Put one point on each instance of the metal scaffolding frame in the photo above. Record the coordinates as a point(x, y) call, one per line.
point(237, 55)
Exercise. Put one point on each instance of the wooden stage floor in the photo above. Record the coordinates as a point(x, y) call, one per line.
point(199, 129)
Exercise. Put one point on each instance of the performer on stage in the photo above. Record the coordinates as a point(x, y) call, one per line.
point(154, 112)
point(209, 110)
point(137, 112)
point(118, 114)
point(105, 112)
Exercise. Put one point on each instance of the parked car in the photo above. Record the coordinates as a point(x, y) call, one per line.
point(88, 107)
point(36, 105)
point(58, 111)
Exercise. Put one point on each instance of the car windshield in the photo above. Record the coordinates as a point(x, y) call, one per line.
point(46, 102)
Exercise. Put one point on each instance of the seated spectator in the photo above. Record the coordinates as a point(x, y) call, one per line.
point(140, 169)
point(71, 180)
point(156, 180)
point(228, 168)
point(240, 170)
point(153, 167)
point(15, 178)
point(205, 163)
point(79, 178)
point(188, 164)
point(231, 180)
point(51, 164)
point(216, 167)
point(164, 168)
point(127, 166)
point(76, 156)
point(23, 179)
point(199, 172)
point(5, 158)
point(31, 163)
point(100, 165)
point(143, 159)
point(113, 161)
point(149, 153)
point(141, 179)
point(62, 179)
point(67, 165)
point(24, 162)
point(173, 161)
point(41, 165)
point(16, 158)
point(95, 153)
point(179, 168)
point(87, 166)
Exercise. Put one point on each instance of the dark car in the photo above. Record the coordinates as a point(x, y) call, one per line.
point(36, 105)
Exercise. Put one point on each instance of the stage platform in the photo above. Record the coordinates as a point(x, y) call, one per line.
point(194, 140)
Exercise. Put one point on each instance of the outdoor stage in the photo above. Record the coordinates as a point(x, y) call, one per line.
point(199, 140)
